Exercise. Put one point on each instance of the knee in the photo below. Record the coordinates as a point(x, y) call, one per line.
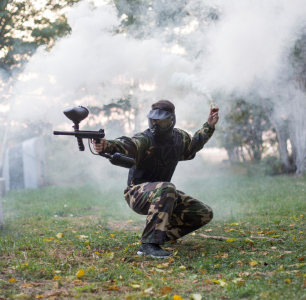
point(169, 189)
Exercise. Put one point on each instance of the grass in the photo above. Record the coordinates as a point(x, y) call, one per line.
point(53, 233)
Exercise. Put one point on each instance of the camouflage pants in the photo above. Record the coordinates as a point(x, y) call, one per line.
point(171, 214)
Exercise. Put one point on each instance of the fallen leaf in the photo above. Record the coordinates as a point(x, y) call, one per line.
point(112, 235)
point(203, 271)
point(294, 238)
point(182, 267)
point(27, 285)
point(80, 273)
point(91, 268)
point(165, 290)
point(177, 297)
point(113, 288)
point(104, 269)
point(196, 296)
point(234, 224)
point(160, 266)
point(86, 242)
point(301, 258)
point(98, 253)
point(253, 263)
point(12, 280)
point(231, 240)
point(57, 277)
point(240, 263)
point(264, 295)
point(81, 236)
point(108, 256)
point(135, 286)
point(170, 259)
point(59, 235)
point(287, 280)
point(207, 230)
point(195, 281)
point(39, 296)
point(149, 291)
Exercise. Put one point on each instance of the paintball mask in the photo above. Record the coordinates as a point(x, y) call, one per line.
point(161, 123)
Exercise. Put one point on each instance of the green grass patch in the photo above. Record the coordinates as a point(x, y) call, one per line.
point(53, 233)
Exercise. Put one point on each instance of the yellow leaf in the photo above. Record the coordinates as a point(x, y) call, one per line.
point(109, 255)
point(223, 283)
point(129, 221)
point(294, 238)
point(193, 233)
point(182, 267)
point(264, 295)
point(253, 263)
point(170, 259)
point(12, 280)
point(112, 235)
point(230, 230)
point(149, 290)
point(196, 296)
point(86, 242)
point(80, 273)
point(114, 288)
point(98, 253)
point(177, 297)
point(208, 230)
point(202, 271)
point(287, 280)
point(57, 277)
point(135, 286)
point(104, 269)
point(82, 236)
point(39, 296)
point(234, 224)
point(27, 285)
point(59, 235)
point(160, 266)
point(57, 271)
point(92, 268)
point(231, 240)
point(165, 290)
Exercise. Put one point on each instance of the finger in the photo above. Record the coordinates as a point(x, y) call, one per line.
point(210, 111)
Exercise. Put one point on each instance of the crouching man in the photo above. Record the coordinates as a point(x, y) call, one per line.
point(171, 214)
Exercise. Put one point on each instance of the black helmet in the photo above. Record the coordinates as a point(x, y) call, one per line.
point(161, 123)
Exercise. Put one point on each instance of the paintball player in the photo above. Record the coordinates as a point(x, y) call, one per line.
point(171, 214)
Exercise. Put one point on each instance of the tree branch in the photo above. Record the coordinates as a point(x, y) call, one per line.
point(224, 238)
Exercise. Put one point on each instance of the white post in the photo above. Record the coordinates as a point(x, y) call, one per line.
point(2, 193)
point(1, 215)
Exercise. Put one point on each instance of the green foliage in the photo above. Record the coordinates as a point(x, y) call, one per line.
point(23, 28)
point(244, 126)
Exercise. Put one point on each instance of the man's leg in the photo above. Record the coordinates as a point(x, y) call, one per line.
point(157, 200)
point(188, 216)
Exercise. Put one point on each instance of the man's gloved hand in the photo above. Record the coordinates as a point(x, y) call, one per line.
point(99, 147)
point(213, 117)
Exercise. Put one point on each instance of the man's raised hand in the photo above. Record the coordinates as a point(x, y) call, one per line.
point(213, 116)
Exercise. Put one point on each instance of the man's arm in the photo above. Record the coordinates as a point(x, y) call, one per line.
point(194, 144)
point(134, 147)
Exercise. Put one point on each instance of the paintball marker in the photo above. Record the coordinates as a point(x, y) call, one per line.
point(78, 114)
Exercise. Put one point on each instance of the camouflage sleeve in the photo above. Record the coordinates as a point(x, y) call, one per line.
point(194, 144)
point(135, 147)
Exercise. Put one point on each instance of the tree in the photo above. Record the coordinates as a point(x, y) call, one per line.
point(244, 127)
point(23, 28)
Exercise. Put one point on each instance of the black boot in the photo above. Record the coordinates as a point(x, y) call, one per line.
point(154, 250)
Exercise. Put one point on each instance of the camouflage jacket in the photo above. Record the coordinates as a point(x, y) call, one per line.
point(140, 146)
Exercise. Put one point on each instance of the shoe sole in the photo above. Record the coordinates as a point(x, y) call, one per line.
point(140, 253)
